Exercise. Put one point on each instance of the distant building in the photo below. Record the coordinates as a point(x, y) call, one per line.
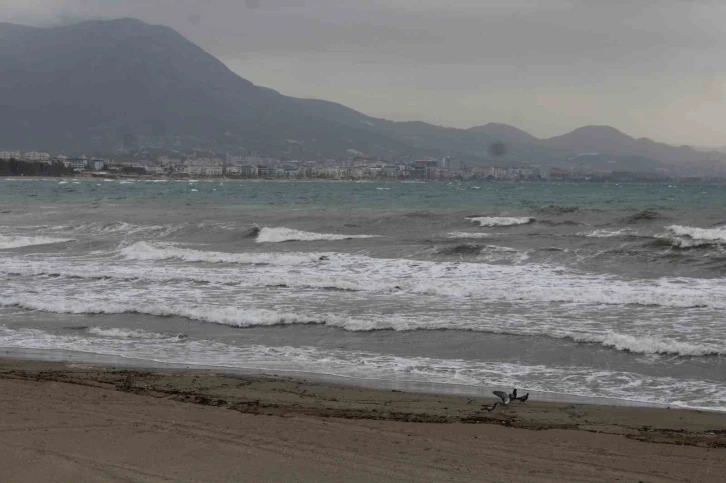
point(96, 164)
point(156, 170)
point(78, 164)
point(391, 171)
point(10, 155)
point(212, 170)
point(34, 156)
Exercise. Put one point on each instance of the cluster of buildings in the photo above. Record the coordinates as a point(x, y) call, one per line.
point(77, 164)
point(356, 168)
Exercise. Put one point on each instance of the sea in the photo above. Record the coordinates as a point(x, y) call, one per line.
point(612, 291)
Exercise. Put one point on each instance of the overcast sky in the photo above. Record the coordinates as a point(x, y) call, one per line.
point(647, 67)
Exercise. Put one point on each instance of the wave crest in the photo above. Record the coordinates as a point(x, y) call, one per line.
point(132, 334)
point(282, 234)
point(687, 236)
point(7, 242)
point(149, 251)
point(501, 220)
point(254, 317)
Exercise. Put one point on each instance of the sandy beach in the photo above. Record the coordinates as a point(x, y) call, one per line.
point(78, 422)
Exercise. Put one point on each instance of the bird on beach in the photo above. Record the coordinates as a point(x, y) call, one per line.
point(490, 407)
point(506, 398)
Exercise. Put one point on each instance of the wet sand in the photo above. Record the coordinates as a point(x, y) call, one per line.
point(83, 422)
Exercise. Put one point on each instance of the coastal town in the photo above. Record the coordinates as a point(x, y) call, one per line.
point(194, 165)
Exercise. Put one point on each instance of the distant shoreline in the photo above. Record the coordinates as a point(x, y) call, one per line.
point(355, 180)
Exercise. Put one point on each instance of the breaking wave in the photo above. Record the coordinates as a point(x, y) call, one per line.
point(448, 280)
point(243, 317)
point(132, 334)
point(650, 345)
point(7, 242)
point(690, 237)
point(608, 233)
point(223, 315)
point(149, 251)
point(276, 235)
point(500, 220)
point(465, 234)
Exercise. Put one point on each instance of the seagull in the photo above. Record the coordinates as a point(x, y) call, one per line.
point(490, 407)
point(503, 396)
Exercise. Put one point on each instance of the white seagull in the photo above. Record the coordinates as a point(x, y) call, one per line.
point(506, 398)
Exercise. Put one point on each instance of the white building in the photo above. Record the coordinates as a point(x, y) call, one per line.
point(157, 170)
point(212, 170)
point(34, 156)
point(10, 155)
point(78, 164)
point(193, 170)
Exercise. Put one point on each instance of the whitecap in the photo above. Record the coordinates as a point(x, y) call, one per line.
point(276, 235)
point(500, 220)
point(7, 242)
point(158, 251)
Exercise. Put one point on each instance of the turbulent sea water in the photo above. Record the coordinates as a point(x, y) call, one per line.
point(614, 291)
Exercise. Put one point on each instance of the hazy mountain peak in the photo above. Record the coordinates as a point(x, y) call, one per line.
point(504, 132)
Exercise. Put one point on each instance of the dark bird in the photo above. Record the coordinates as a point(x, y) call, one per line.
point(522, 398)
point(514, 394)
point(490, 407)
point(503, 396)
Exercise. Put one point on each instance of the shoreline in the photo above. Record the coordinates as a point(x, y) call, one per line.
point(432, 388)
point(116, 177)
point(74, 421)
point(256, 392)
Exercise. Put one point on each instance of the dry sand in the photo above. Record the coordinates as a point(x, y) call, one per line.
point(77, 423)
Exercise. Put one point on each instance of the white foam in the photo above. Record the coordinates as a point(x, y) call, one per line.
point(687, 237)
point(7, 242)
point(608, 233)
point(131, 333)
point(223, 315)
point(150, 251)
point(653, 345)
point(448, 280)
point(543, 321)
point(574, 380)
point(276, 235)
point(500, 220)
point(465, 234)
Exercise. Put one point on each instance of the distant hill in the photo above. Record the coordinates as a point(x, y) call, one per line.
point(110, 83)
point(119, 84)
point(606, 139)
point(504, 133)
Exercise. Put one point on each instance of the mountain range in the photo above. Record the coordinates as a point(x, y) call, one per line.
point(114, 85)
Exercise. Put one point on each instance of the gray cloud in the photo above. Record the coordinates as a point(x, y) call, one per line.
point(649, 67)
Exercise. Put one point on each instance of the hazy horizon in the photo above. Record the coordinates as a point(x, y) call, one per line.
point(649, 70)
